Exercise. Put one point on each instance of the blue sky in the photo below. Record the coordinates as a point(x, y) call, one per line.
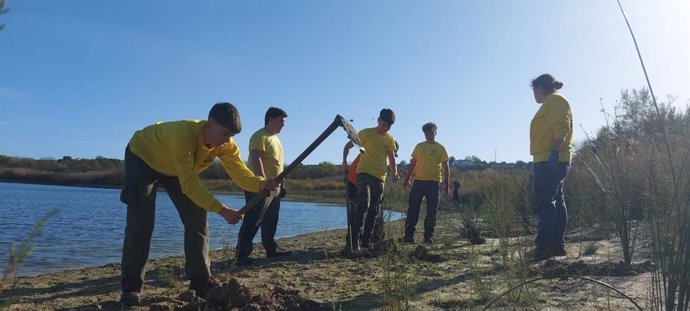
point(78, 78)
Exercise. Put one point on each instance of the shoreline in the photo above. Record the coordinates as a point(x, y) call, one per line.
point(291, 197)
point(166, 257)
point(441, 275)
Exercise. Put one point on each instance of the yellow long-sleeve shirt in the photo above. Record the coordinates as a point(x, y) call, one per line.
point(553, 120)
point(177, 149)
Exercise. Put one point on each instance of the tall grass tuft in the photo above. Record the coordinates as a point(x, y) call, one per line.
point(669, 199)
point(669, 204)
point(396, 287)
point(503, 200)
point(641, 163)
point(611, 162)
point(22, 252)
point(396, 281)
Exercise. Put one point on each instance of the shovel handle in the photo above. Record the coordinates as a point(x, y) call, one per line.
point(329, 130)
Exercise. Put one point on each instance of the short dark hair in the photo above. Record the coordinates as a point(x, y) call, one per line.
point(387, 115)
point(547, 83)
point(274, 112)
point(227, 116)
point(429, 126)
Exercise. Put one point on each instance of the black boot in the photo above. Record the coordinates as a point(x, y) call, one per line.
point(541, 253)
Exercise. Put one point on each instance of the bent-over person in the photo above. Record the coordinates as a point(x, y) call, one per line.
point(172, 154)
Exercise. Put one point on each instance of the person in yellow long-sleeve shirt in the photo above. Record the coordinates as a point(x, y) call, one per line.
point(173, 154)
point(551, 140)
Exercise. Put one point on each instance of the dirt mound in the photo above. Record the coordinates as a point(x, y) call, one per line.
point(580, 268)
point(422, 253)
point(234, 296)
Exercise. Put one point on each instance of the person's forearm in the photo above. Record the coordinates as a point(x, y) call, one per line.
point(557, 145)
point(258, 166)
point(411, 169)
point(446, 172)
point(346, 151)
point(391, 163)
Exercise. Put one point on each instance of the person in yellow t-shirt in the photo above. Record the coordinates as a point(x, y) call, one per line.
point(551, 140)
point(265, 159)
point(429, 166)
point(172, 154)
point(351, 193)
point(379, 146)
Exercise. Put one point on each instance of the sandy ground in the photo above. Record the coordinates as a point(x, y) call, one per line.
point(450, 274)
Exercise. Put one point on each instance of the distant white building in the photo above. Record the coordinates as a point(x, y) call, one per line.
point(468, 164)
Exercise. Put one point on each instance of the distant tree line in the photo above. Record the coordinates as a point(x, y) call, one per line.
point(110, 172)
point(66, 171)
point(103, 171)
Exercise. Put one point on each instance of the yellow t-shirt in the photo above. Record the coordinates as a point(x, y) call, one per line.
point(177, 149)
point(553, 120)
point(375, 156)
point(272, 157)
point(429, 158)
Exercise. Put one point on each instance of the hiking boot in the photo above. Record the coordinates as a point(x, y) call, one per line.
point(244, 261)
point(130, 298)
point(541, 253)
point(278, 254)
point(203, 286)
point(408, 240)
point(428, 240)
point(347, 251)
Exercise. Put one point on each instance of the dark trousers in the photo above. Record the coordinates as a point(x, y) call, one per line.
point(550, 204)
point(139, 193)
point(268, 226)
point(420, 189)
point(369, 195)
point(456, 195)
point(378, 233)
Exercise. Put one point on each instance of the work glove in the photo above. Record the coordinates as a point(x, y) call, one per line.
point(552, 163)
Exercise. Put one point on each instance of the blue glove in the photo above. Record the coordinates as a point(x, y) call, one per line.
point(552, 164)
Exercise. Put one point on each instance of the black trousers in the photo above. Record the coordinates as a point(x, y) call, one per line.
point(369, 197)
point(352, 207)
point(549, 203)
point(268, 226)
point(421, 189)
point(139, 193)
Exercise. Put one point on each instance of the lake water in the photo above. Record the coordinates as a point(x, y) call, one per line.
point(89, 227)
